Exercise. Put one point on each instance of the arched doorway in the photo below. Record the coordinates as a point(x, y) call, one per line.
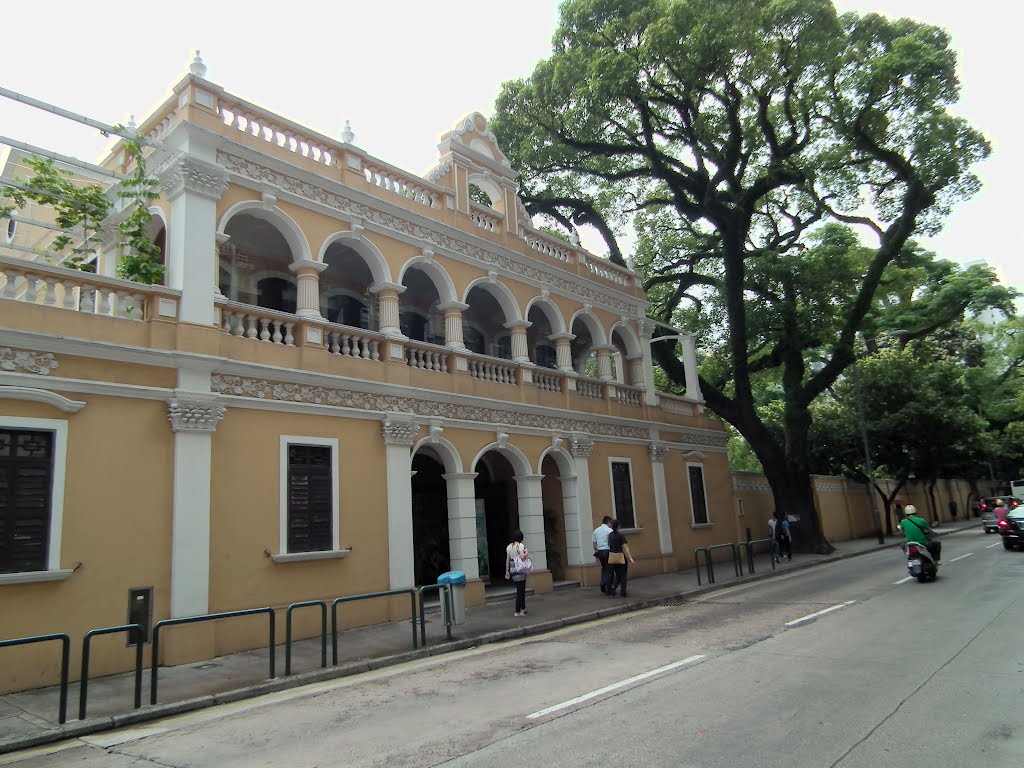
point(497, 513)
point(554, 518)
point(430, 542)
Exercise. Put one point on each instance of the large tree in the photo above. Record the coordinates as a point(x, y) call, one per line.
point(726, 134)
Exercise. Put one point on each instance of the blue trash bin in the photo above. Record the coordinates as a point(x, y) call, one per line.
point(457, 581)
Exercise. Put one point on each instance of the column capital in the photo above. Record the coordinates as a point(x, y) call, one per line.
point(188, 174)
point(658, 452)
point(453, 306)
point(194, 413)
point(399, 431)
point(561, 337)
point(581, 446)
point(308, 264)
point(460, 475)
point(645, 327)
point(517, 324)
point(386, 286)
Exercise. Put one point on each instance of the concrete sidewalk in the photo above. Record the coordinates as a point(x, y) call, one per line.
point(30, 718)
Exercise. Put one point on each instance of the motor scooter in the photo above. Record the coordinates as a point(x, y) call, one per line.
point(920, 562)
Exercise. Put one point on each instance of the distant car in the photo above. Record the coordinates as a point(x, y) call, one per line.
point(987, 507)
point(1012, 528)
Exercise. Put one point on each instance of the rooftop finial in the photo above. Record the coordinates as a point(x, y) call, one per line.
point(132, 125)
point(346, 133)
point(197, 67)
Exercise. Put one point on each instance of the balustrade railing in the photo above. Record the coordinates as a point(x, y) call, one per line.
point(34, 283)
point(607, 270)
point(590, 389)
point(351, 342)
point(411, 187)
point(492, 370)
point(426, 357)
point(548, 382)
point(549, 246)
point(247, 118)
point(676, 404)
point(258, 323)
point(484, 218)
point(629, 395)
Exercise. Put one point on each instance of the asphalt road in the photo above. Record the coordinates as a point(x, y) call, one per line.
point(889, 673)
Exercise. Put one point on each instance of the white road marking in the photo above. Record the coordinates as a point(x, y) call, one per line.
point(614, 686)
point(961, 557)
point(812, 616)
point(904, 581)
point(993, 545)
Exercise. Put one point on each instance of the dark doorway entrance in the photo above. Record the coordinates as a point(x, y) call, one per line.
point(429, 519)
point(496, 493)
point(554, 518)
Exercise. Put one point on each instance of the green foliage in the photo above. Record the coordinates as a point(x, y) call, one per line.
point(74, 206)
point(479, 197)
point(87, 208)
point(739, 139)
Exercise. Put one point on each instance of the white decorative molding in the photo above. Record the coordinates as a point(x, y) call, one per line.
point(751, 483)
point(435, 432)
point(581, 447)
point(262, 389)
point(399, 432)
point(192, 175)
point(24, 360)
point(316, 193)
point(503, 440)
point(697, 455)
point(438, 171)
point(41, 396)
point(194, 415)
point(645, 328)
point(556, 441)
point(658, 452)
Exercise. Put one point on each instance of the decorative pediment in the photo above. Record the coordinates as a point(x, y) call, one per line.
point(472, 137)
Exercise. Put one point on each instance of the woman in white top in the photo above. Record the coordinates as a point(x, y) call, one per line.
point(514, 549)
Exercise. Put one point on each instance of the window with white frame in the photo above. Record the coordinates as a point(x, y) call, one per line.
point(622, 492)
point(309, 494)
point(32, 465)
point(698, 498)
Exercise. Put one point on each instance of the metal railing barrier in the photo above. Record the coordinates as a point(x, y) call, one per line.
point(446, 609)
point(65, 656)
point(737, 567)
point(352, 598)
point(750, 551)
point(134, 633)
point(205, 617)
point(707, 563)
point(288, 632)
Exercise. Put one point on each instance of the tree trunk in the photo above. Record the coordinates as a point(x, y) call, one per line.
point(793, 495)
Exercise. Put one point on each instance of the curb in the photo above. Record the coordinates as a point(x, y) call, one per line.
point(150, 712)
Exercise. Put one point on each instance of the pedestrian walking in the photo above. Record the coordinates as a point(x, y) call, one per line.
point(618, 554)
point(601, 551)
point(516, 549)
point(784, 537)
point(772, 522)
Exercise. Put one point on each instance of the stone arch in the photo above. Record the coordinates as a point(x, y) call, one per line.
point(284, 223)
point(444, 450)
point(628, 336)
point(516, 457)
point(550, 310)
point(370, 253)
point(571, 541)
point(501, 294)
point(487, 184)
point(438, 276)
point(566, 463)
point(593, 325)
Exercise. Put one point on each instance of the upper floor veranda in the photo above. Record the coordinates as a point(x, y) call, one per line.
point(285, 247)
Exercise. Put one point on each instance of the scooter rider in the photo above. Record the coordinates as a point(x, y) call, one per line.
point(917, 530)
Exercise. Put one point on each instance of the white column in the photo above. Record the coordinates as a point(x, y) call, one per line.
point(399, 436)
point(604, 363)
point(658, 454)
point(531, 518)
point(690, 368)
point(563, 351)
point(636, 371)
point(646, 330)
point(387, 300)
point(307, 273)
point(520, 350)
point(462, 533)
point(573, 528)
point(193, 188)
point(194, 417)
point(581, 447)
point(453, 324)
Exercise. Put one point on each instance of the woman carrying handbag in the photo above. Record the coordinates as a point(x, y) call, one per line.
point(517, 567)
point(618, 554)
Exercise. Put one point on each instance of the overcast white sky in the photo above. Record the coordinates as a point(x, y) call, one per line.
point(403, 71)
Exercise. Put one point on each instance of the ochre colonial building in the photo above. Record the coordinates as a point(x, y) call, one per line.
point(353, 380)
